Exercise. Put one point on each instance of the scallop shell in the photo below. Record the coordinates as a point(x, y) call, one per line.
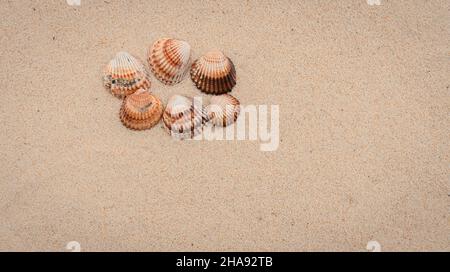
point(214, 73)
point(182, 118)
point(169, 60)
point(141, 110)
point(224, 109)
point(125, 74)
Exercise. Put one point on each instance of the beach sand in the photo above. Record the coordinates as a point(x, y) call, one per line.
point(364, 100)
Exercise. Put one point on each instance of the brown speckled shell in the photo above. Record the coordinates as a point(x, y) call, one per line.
point(125, 74)
point(214, 73)
point(141, 110)
point(169, 60)
point(224, 109)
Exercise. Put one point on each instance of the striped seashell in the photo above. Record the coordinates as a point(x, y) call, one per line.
point(125, 74)
point(169, 60)
point(183, 118)
point(224, 109)
point(214, 73)
point(141, 110)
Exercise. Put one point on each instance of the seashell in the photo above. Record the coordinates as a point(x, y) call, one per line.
point(224, 109)
point(169, 60)
point(141, 110)
point(184, 119)
point(214, 73)
point(125, 74)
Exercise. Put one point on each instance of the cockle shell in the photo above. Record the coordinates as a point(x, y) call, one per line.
point(183, 118)
point(141, 110)
point(169, 60)
point(214, 73)
point(224, 109)
point(125, 74)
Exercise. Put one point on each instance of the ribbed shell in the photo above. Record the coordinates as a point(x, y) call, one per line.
point(141, 110)
point(125, 74)
point(214, 73)
point(169, 60)
point(224, 109)
point(182, 118)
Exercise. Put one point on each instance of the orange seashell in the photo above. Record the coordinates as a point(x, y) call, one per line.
point(182, 118)
point(169, 60)
point(214, 73)
point(224, 109)
point(141, 110)
point(125, 74)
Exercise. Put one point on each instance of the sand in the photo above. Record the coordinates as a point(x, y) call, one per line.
point(363, 93)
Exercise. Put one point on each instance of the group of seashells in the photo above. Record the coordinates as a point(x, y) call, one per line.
point(170, 60)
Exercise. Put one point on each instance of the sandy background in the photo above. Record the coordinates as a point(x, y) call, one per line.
point(364, 120)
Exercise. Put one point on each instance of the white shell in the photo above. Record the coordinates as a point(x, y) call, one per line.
point(182, 118)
